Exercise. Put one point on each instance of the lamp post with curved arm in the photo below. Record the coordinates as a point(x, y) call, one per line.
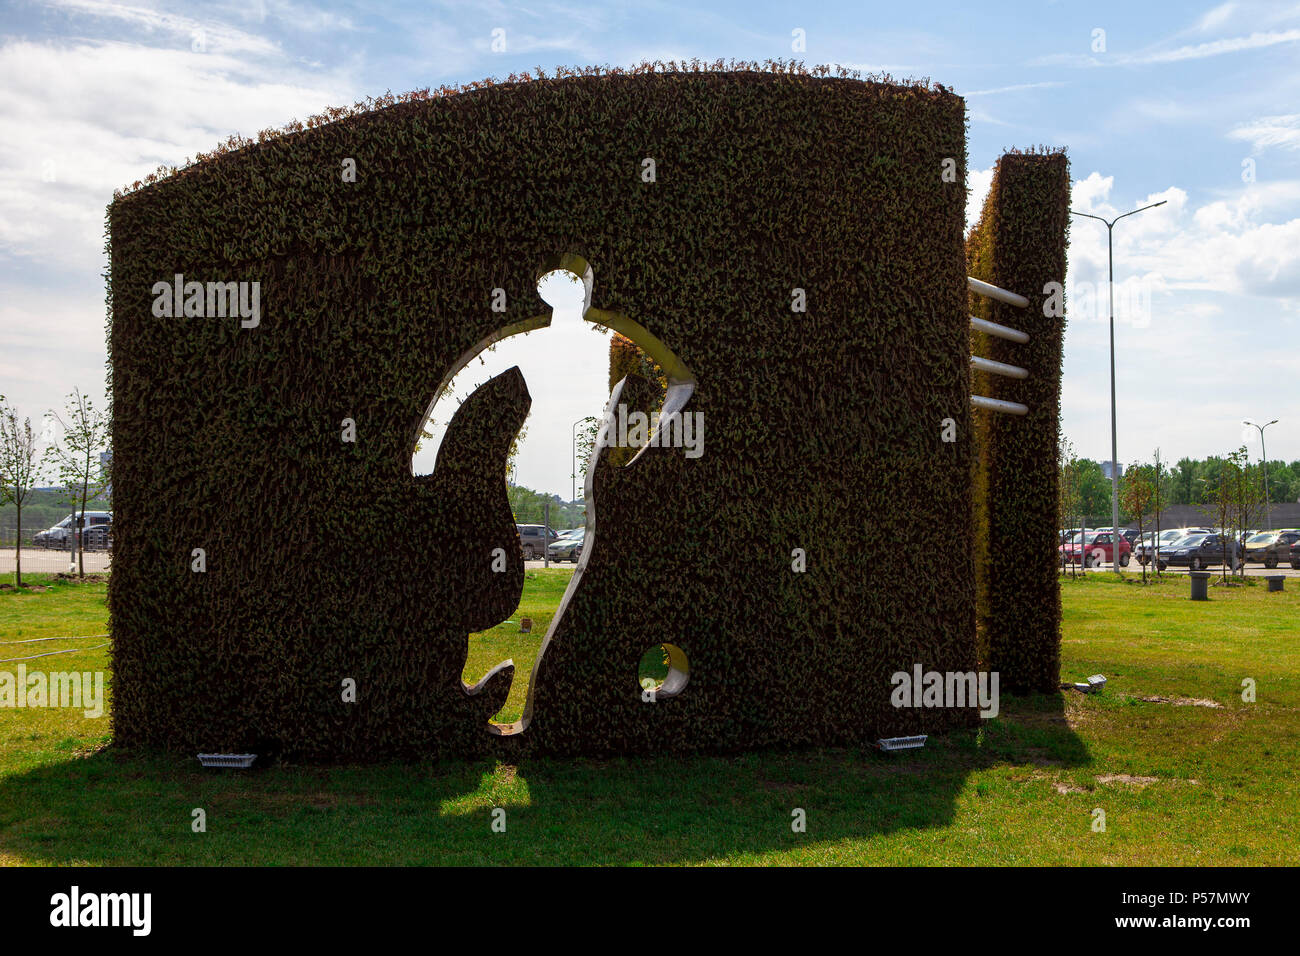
point(1268, 517)
point(1114, 441)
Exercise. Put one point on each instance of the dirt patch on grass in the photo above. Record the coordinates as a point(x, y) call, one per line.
point(1069, 788)
point(1182, 701)
point(1127, 778)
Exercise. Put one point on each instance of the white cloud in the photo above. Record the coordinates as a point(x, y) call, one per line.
point(978, 182)
point(82, 119)
point(1240, 245)
point(1256, 41)
point(1266, 131)
point(1016, 88)
point(215, 36)
point(1216, 17)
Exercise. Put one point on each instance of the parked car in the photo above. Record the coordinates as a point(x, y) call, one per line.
point(1130, 535)
point(567, 549)
point(1095, 550)
point(1295, 555)
point(533, 539)
point(1271, 547)
point(1200, 551)
point(1168, 538)
point(97, 531)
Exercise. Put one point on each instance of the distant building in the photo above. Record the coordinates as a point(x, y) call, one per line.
point(106, 466)
point(1105, 470)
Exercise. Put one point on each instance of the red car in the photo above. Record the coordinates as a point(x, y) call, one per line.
point(1096, 550)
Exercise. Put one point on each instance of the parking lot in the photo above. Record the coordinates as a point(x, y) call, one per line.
point(1253, 570)
point(46, 560)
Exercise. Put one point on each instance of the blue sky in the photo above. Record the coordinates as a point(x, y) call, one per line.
point(1195, 104)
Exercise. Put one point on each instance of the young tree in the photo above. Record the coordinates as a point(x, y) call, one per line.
point(1218, 504)
point(1068, 505)
point(76, 459)
point(586, 447)
point(1157, 505)
point(1136, 492)
point(1247, 497)
point(18, 472)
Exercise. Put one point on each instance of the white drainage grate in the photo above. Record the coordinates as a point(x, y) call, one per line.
point(902, 743)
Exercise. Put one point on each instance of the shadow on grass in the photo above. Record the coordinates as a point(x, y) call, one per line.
point(117, 808)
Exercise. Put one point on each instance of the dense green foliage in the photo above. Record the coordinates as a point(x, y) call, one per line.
point(529, 507)
point(328, 560)
point(1019, 245)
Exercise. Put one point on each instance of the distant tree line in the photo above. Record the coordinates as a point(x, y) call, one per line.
point(1184, 482)
point(529, 507)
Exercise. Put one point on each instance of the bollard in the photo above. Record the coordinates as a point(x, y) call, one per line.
point(1200, 583)
point(1275, 581)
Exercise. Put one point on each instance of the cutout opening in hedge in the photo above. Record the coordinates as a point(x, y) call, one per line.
point(665, 670)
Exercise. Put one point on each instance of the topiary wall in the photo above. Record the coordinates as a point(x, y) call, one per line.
point(327, 562)
point(1019, 245)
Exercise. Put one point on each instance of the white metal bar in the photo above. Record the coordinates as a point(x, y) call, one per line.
point(997, 405)
point(998, 368)
point(1001, 331)
point(993, 292)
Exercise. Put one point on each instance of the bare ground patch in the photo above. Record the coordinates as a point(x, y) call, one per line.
point(1181, 701)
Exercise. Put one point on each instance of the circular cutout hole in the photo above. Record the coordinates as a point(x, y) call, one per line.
point(664, 670)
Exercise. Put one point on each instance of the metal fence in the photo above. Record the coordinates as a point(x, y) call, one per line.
point(97, 555)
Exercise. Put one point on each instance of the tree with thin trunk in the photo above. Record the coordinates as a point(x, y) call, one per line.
point(1247, 498)
point(1135, 494)
point(1158, 502)
point(1069, 502)
point(76, 459)
point(1219, 506)
point(19, 466)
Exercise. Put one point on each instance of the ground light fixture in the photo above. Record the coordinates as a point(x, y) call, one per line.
point(234, 761)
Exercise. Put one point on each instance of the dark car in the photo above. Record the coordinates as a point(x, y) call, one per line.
point(1200, 551)
point(533, 539)
point(1295, 555)
point(1271, 547)
point(1145, 551)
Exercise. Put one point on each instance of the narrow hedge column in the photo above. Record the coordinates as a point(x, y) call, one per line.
point(1019, 245)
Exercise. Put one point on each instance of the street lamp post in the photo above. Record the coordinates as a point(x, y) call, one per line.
point(1268, 517)
point(1114, 439)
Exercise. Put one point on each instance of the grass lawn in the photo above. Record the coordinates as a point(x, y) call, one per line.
point(1185, 770)
point(542, 592)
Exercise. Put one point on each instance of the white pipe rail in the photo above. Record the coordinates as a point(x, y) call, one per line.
point(998, 368)
point(1001, 331)
point(993, 292)
point(997, 405)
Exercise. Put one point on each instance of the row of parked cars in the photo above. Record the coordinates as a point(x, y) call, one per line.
point(96, 530)
point(1194, 548)
point(536, 540)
